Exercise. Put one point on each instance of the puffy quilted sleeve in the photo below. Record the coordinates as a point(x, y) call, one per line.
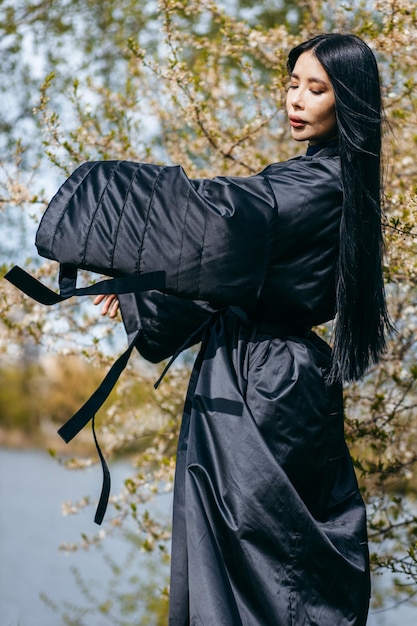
point(210, 238)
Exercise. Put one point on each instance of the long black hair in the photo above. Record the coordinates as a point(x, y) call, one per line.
point(362, 320)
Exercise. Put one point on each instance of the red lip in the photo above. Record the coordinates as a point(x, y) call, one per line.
point(297, 122)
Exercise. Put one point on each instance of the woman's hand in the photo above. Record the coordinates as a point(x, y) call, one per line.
point(110, 306)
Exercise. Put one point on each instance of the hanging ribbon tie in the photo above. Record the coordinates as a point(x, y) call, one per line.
point(67, 282)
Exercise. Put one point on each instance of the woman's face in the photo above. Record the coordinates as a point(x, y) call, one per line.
point(310, 101)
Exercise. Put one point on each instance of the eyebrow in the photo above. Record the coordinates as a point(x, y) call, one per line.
point(311, 80)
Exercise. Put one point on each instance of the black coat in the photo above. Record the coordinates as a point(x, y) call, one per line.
point(269, 526)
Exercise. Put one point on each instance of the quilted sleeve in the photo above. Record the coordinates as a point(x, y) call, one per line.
point(211, 238)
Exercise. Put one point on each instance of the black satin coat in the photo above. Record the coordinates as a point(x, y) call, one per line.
point(269, 527)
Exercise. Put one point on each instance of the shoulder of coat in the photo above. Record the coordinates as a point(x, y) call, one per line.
point(305, 163)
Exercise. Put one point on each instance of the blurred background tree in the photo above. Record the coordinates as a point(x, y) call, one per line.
point(201, 83)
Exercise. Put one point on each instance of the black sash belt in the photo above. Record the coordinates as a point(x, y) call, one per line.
point(72, 427)
point(67, 281)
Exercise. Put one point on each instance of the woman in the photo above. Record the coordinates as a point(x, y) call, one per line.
point(269, 527)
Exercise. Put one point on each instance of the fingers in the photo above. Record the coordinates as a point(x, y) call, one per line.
point(110, 306)
point(99, 299)
point(114, 306)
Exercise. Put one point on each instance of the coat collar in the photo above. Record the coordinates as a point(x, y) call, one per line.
point(324, 149)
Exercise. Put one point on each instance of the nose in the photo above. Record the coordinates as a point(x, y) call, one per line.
point(296, 99)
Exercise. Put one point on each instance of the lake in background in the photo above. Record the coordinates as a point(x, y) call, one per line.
point(32, 488)
point(32, 527)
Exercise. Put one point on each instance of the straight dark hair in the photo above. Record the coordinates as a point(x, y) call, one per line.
point(362, 320)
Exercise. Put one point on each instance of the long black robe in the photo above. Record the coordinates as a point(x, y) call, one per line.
point(269, 527)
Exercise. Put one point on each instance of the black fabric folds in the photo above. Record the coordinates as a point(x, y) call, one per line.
point(269, 528)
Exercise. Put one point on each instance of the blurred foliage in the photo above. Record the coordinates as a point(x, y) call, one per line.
point(38, 396)
point(201, 84)
point(130, 598)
